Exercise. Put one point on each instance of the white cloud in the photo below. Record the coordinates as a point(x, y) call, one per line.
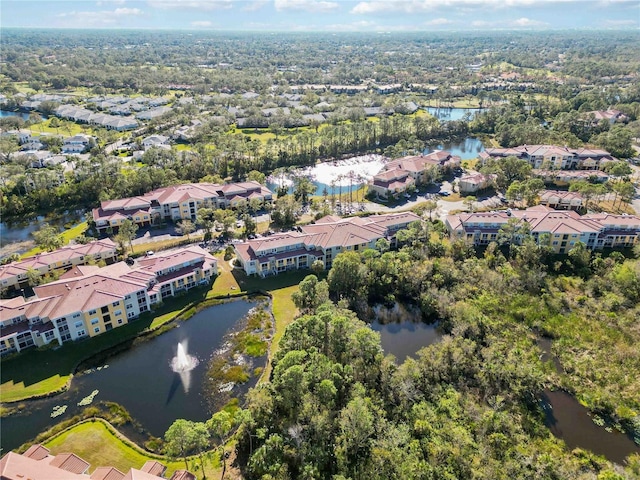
point(110, 2)
point(350, 27)
point(621, 23)
point(314, 6)
point(201, 24)
point(527, 22)
point(255, 5)
point(438, 21)
point(416, 6)
point(483, 24)
point(98, 18)
point(192, 4)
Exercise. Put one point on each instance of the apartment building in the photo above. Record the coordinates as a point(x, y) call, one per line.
point(37, 463)
point(14, 275)
point(323, 241)
point(560, 200)
point(89, 300)
point(552, 157)
point(396, 176)
point(476, 182)
point(562, 228)
point(177, 202)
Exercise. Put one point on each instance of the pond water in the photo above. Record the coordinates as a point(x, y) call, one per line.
point(571, 422)
point(402, 331)
point(447, 114)
point(21, 231)
point(142, 381)
point(22, 115)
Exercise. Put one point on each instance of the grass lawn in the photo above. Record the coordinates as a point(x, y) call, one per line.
point(67, 236)
point(66, 128)
point(99, 445)
point(454, 197)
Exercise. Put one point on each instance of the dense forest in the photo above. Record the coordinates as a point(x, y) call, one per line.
point(468, 406)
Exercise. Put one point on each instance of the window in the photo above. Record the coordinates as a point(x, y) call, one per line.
point(94, 321)
point(79, 324)
point(76, 315)
point(117, 312)
point(119, 321)
point(115, 304)
point(92, 312)
point(81, 333)
point(96, 330)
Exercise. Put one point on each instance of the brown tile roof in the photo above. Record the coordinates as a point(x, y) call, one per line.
point(107, 473)
point(66, 253)
point(69, 462)
point(37, 452)
point(19, 467)
point(173, 258)
point(154, 468)
point(135, 474)
point(542, 219)
point(327, 232)
point(182, 475)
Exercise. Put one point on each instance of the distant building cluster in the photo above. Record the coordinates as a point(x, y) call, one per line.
point(322, 240)
point(89, 300)
point(177, 202)
point(110, 122)
point(564, 228)
point(37, 463)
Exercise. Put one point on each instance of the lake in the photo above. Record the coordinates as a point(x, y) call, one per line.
point(448, 114)
point(142, 381)
point(402, 331)
point(22, 115)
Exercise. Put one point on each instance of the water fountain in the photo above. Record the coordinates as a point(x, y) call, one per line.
point(182, 364)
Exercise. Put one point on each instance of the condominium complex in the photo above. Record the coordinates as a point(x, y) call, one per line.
point(564, 228)
point(88, 300)
point(552, 157)
point(37, 463)
point(323, 241)
point(15, 275)
point(177, 202)
point(398, 175)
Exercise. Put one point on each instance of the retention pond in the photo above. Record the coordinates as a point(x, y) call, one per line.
point(141, 379)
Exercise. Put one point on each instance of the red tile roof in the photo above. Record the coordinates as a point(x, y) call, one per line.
point(70, 462)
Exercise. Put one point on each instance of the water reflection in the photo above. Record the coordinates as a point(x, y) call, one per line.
point(141, 380)
point(571, 422)
point(402, 331)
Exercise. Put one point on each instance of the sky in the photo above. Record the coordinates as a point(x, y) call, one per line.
point(323, 15)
